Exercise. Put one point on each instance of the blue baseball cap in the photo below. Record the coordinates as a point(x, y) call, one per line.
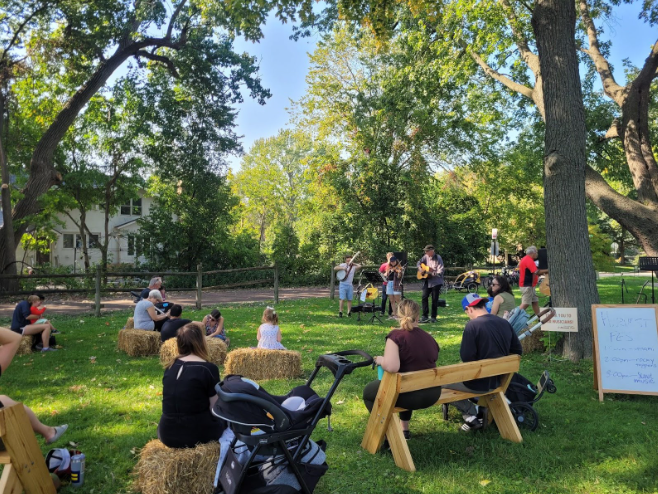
point(471, 299)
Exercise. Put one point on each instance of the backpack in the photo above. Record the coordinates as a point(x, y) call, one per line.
point(518, 319)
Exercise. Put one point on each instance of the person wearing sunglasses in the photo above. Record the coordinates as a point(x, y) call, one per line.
point(503, 297)
point(214, 324)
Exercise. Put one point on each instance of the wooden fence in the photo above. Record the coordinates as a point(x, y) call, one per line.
point(98, 288)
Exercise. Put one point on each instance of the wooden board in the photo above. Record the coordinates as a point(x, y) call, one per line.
point(625, 349)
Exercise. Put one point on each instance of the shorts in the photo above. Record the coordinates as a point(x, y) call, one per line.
point(345, 291)
point(528, 295)
point(389, 288)
point(220, 336)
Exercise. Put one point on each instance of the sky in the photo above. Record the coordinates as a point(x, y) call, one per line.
point(284, 64)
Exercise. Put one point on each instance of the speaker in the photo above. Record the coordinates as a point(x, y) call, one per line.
point(543, 258)
point(401, 256)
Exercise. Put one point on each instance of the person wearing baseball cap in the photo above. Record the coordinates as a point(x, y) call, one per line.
point(431, 266)
point(485, 336)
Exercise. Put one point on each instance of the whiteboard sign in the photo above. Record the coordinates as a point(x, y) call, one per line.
point(626, 344)
point(565, 320)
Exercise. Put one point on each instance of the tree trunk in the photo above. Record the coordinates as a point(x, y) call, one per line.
point(7, 249)
point(573, 281)
point(83, 238)
point(622, 247)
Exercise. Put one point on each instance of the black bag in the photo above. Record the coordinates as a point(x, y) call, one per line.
point(36, 340)
point(520, 389)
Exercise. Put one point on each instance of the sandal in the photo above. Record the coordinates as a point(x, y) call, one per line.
point(59, 432)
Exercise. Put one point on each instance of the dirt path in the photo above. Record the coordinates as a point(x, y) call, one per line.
point(185, 298)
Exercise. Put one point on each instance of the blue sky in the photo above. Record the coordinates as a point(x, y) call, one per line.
point(284, 64)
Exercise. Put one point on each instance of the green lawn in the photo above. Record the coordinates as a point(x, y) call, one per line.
point(581, 445)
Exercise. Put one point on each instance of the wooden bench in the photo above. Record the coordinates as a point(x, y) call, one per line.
point(384, 420)
point(24, 466)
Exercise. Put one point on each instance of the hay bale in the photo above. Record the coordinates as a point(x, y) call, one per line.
point(130, 323)
point(259, 364)
point(25, 347)
point(533, 342)
point(138, 342)
point(216, 351)
point(163, 470)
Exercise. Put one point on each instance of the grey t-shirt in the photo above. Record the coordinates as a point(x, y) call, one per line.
point(142, 319)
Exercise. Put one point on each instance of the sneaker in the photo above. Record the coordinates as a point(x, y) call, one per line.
point(407, 434)
point(340, 314)
point(48, 349)
point(349, 314)
point(54, 331)
point(424, 320)
point(472, 425)
point(433, 320)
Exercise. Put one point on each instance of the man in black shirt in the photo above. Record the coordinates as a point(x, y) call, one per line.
point(174, 323)
point(485, 336)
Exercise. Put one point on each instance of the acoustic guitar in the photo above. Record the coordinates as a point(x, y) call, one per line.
point(423, 271)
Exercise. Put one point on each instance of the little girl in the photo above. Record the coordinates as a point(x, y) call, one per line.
point(36, 310)
point(269, 334)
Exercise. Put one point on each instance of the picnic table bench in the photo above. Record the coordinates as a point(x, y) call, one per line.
point(384, 421)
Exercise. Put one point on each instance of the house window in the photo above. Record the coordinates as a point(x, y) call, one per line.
point(73, 240)
point(131, 245)
point(132, 208)
point(137, 246)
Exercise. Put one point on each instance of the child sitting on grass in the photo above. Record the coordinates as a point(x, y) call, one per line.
point(214, 324)
point(269, 334)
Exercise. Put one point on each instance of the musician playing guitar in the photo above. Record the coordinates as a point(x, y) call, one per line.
point(345, 288)
point(430, 268)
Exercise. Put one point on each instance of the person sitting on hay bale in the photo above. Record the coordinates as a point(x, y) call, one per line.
point(23, 322)
point(269, 333)
point(214, 324)
point(10, 342)
point(170, 327)
point(38, 309)
point(145, 316)
point(188, 394)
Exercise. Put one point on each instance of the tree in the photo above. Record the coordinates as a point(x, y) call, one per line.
point(76, 46)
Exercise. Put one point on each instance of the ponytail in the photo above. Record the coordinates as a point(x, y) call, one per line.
point(409, 311)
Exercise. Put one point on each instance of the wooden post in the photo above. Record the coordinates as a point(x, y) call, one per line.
point(276, 284)
point(199, 286)
point(98, 290)
point(332, 283)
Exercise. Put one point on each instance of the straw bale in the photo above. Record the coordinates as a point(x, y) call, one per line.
point(216, 351)
point(163, 470)
point(138, 342)
point(533, 342)
point(259, 364)
point(26, 346)
point(130, 324)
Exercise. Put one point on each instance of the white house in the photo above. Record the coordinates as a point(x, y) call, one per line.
point(124, 247)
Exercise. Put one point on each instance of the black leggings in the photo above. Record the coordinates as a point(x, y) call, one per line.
point(414, 400)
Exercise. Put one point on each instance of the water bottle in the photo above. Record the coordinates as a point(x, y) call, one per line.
point(77, 470)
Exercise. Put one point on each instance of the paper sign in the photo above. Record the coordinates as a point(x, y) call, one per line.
point(564, 321)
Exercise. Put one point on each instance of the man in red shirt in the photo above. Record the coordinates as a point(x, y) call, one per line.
point(528, 277)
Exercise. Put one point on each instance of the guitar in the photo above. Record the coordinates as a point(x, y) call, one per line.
point(423, 272)
point(341, 274)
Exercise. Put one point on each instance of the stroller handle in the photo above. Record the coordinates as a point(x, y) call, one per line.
point(337, 362)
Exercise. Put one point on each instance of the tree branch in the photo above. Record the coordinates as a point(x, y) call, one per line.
point(613, 131)
point(14, 38)
point(166, 61)
point(506, 81)
point(521, 41)
point(174, 16)
point(610, 86)
point(650, 70)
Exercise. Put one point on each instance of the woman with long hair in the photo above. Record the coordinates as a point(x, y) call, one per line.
point(503, 298)
point(407, 349)
point(188, 394)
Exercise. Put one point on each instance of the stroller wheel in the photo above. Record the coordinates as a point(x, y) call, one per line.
point(472, 287)
point(525, 416)
point(445, 411)
point(550, 387)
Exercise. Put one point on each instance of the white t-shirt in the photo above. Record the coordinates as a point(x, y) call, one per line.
point(142, 319)
point(350, 276)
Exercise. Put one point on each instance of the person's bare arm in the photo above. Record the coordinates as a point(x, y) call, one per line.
point(258, 334)
point(390, 362)
point(278, 336)
point(542, 271)
point(220, 327)
point(498, 299)
point(154, 315)
point(10, 342)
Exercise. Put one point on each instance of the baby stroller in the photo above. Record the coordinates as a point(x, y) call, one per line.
point(468, 282)
point(522, 394)
point(274, 434)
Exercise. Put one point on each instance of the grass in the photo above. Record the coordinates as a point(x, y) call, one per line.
point(113, 404)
